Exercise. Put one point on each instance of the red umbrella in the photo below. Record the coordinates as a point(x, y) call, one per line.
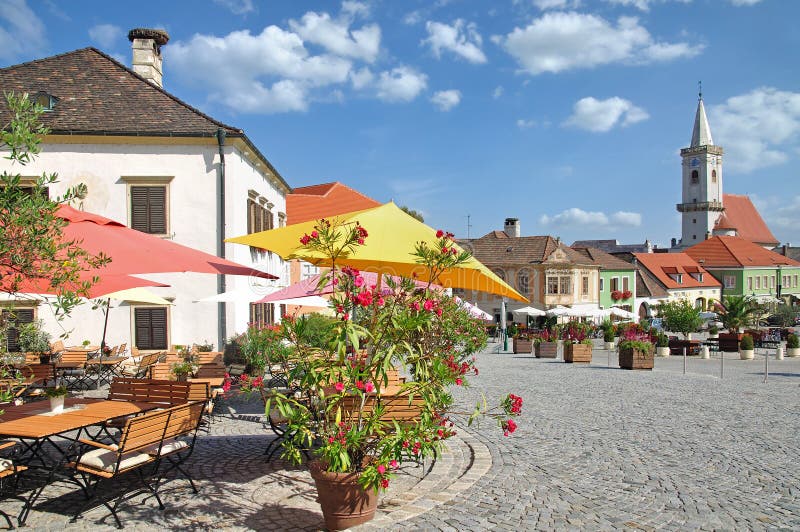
point(106, 285)
point(132, 251)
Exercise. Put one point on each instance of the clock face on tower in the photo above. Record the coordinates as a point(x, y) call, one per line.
point(695, 162)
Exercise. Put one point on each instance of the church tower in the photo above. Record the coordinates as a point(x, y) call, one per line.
point(701, 184)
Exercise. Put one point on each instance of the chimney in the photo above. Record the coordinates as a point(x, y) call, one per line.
point(511, 227)
point(786, 247)
point(674, 242)
point(147, 59)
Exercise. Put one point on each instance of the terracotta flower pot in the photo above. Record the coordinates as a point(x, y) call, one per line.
point(344, 502)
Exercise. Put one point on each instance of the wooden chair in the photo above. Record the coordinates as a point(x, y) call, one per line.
point(145, 443)
point(167, 393)
point(72, 366)
point(37, 377)
point(9, 472)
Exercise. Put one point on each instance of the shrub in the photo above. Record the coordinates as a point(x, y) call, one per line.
point(792, 342)
point(608, 334)
point(746, 343)
point(713, 330)
point(662, 340)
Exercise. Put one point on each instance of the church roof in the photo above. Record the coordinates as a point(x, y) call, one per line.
point(736, 252)
point(662, 265)
point(323, 201)
point(742, 215)
point(701, 134)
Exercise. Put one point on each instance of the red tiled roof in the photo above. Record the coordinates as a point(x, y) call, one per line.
point(497, 248)
point(736, 252)
point(742, 215)
point(605, 260)
point(657, 263)
point(323, 201)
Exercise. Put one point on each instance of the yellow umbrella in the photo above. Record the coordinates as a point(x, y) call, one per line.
point(388, 249)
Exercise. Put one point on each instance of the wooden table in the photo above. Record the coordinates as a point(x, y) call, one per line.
point(37, 429)
point(214, 382)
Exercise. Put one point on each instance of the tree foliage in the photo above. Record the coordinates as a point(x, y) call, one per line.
point(32, 245)
point(680, 316)
point(737, 312)
point(412, 212)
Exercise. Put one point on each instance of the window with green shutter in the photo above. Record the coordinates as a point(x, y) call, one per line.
point(151, 328)
point(14, 317)
point(149, 209)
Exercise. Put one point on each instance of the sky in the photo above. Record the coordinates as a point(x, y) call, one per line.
point(566, 114)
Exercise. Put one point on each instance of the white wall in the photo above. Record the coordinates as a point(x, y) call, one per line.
point(192, 222)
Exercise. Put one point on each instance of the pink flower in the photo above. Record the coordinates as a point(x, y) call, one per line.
point(415, 305)
point(358, 281)
point(314, 234)
point(369, 387)
point(360, 384)
point(305, 239)
point(428, 305)
point(384, 483)
point(339, 386)
point(393, 464)
point(439, 233)
point(459, 382)
point(381, 469)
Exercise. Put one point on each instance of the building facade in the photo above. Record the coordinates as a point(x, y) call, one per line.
point(154, 163)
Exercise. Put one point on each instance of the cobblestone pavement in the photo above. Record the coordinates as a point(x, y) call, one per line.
point(597, 448)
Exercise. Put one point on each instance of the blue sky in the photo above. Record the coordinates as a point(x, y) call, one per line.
point(567, 114)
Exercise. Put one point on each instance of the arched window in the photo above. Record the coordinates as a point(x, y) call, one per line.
point(500, 273)
point(713, 176)
point(695, 177)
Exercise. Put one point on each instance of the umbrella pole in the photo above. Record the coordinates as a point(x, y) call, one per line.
point(105, 326)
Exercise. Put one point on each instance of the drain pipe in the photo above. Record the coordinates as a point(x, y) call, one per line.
point(221, 315)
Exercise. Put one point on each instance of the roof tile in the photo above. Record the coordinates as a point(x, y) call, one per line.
point(661, 264)
point(742, 215)
point(325, 200)
point(736, 252)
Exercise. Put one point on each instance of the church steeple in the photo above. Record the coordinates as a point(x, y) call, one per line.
point(701, 134)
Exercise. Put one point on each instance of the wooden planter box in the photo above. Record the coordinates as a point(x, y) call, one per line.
point(523, 345)
point(729, 341)
point(630, 358)
point(581, 353)
point(547, 350)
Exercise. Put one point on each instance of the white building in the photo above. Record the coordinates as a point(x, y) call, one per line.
point(155, 163)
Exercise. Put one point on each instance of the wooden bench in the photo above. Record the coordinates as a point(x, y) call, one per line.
point(403, 409)
point(149, 445)
point(162, 392)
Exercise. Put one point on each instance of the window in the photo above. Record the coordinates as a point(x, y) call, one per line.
point(14, 317)
point(281, 219)
point(259, 217)
point(730, 281)
point(695, 177)
point(749, 283)
point(700, 277)
point(713, 176)
point(772, 281)
point(150, 325)
point(694, 220)
point(552, 285)
point(585, 285)
point(625, 284)
point(765, 282)
point(149, 209)
point(795, 281)
point(46, 101)
point(758, 282)
point(522, 281)
point(564, 285)
point(500, 273)
point(614, 284)
point(262, 314)
point(602, 284)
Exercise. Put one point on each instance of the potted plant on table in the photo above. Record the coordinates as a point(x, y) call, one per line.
point(184, 368)
point(746, 348)
point(792, 346)
point(339, 393)
point(56, 396)
point(546, 344)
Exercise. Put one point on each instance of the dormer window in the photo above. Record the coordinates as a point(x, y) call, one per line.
point(44, 100)
point(679, 278)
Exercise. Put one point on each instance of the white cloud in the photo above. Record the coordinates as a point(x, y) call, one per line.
point(401, 84)
point(413, 18)
point(446, 100)
point(22, 33)
point(336, 36)
point(361, 79)
point(757, 129)
point(461, 38)
point(600, 116)
point(784, 215)
point(559, 41)
point(105, 35)
point(497, 92)
point(355, 9)
point(556, 4)
point(525, 124)
point(575, 217)
point(264, 73)
point(237, 7)
point(745, 2)
point(644, 5)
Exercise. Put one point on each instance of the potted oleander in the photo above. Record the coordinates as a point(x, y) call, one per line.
point(662, 345)
point(546, 344)
point(792, 346)
point(339, 389)
point(577, 343)
point(746, 348)
point(635, 350)
point(57, 396)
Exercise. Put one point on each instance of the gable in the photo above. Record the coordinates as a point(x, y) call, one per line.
point(742, 215)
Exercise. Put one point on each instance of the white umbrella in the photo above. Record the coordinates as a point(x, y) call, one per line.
point(474, 311)
point(530, 311)
point(558, 311)
point(621, 313)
